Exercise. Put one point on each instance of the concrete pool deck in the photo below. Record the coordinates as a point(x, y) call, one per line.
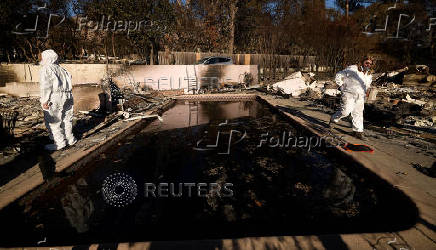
point(390, 162)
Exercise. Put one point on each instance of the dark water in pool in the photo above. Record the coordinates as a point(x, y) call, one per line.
point(225, 170)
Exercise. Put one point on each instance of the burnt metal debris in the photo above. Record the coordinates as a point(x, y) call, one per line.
point(7, 125)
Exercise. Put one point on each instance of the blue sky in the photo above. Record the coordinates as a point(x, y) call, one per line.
point(330, 3)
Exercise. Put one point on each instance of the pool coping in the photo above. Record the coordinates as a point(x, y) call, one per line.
point(217, 97)
point(351, 241)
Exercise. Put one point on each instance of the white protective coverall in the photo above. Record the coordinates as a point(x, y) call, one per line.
point(354, 84)
point(56, 90)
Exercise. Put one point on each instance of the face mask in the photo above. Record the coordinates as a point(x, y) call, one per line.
point(365, 69)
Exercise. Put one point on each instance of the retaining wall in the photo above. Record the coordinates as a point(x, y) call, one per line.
point(159, 77)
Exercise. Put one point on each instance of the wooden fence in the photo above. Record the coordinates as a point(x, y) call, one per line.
point(186, 58)
point(270, 67)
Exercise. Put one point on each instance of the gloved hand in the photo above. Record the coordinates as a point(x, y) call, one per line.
point(46, 105)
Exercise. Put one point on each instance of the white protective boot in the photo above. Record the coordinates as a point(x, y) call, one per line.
point(351, 104)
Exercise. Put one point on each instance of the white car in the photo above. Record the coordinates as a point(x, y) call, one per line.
point(216, 60)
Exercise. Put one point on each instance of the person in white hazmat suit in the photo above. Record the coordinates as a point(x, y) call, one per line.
point(355, 82)
point(56, 100)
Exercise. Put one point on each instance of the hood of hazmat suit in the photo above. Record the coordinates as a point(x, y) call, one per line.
point(52, 77)
point(353, 81)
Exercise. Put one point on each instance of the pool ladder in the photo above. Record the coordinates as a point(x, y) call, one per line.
point(192, 79)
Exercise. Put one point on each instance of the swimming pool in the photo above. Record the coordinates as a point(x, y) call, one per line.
point(211, 169)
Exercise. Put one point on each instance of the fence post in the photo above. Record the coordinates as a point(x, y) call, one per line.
point(247, 59)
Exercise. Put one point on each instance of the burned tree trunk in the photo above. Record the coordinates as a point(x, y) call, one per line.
point(233, 10)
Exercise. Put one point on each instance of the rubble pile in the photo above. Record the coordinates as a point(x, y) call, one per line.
point(404, 97)
point(30, 132)
point(143, 102)
point(28, 108)
point(409, 95)
point(29, 125)
point(30, 114)
point(303, 84)
point(294, 84)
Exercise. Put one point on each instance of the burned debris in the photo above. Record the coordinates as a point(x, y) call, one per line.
point(403, 97)
point(22, 122)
